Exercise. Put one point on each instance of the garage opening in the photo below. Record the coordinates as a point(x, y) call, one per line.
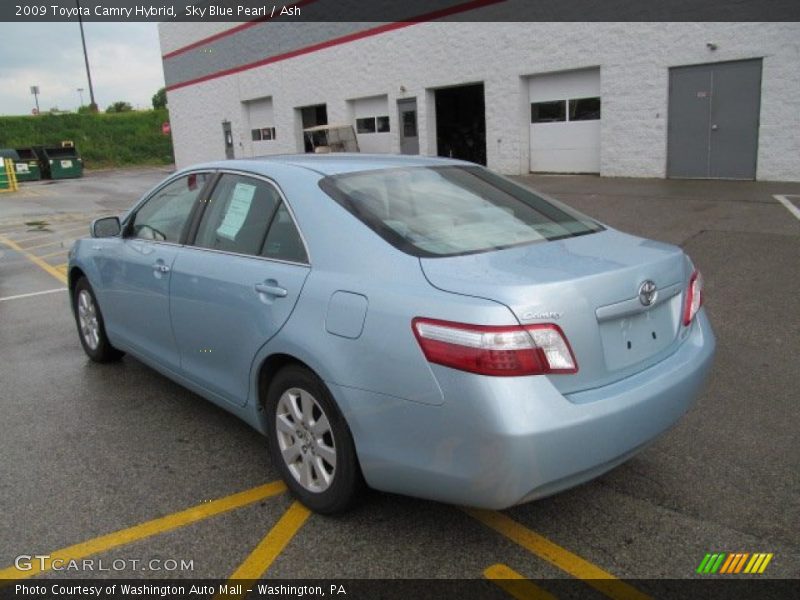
point(461, 123)
point(311, 116)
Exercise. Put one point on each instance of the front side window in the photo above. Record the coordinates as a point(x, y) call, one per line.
point(164, 215)
point(237, 215)
point(452, 210)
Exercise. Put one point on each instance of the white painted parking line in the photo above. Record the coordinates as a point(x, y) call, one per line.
point(19, 296)
point(788, 204)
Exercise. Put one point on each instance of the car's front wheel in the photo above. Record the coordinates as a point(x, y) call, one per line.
point(310, 442)
point(91, 328)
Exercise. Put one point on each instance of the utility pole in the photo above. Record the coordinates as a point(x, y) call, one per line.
point(92, 104)
point(35, 92)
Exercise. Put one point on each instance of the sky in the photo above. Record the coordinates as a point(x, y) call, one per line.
point(125, 61)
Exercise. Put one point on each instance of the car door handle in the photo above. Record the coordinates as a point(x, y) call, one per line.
point(271, 288)
point(161, 268)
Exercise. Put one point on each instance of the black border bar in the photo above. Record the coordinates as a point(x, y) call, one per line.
point(398, 10)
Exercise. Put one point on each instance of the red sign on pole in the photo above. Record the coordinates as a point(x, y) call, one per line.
point(165, 128)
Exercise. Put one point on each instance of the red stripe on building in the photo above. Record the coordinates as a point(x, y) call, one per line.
point(432, 16)
point(227, 32)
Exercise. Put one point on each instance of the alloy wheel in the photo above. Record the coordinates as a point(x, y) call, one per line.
point(87, 318)
point(305, 440)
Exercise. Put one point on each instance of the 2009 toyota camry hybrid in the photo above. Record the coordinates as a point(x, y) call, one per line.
point(417, 325)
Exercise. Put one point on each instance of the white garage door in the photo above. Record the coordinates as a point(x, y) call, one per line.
point(372, 125)
point(565, 122)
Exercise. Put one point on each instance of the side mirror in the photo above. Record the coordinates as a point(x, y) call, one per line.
point(106, 227)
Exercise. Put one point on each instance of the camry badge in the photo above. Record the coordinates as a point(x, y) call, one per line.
point(647, 293)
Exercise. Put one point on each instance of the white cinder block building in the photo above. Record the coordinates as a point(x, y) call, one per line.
point(702, 100)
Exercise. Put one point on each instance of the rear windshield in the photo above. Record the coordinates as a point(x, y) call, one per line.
point(452, 210)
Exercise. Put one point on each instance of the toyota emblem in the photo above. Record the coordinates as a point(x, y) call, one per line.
point(647, 293)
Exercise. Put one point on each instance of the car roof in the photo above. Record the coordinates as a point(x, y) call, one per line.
point(334, 163)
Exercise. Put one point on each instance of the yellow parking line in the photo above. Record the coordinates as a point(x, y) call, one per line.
point(148, 529)
point(560, 557)
point(27, 192)
point(61, 241)
point(39, 237)
point(62, 277)
point(514, 584)
point(51, 254)
point(268, 549)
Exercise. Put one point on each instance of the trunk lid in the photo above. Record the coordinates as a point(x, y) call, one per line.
point(588, 285)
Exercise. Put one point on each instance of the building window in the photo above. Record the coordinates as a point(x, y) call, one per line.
point(383, 124)
point(549, 112)
point(584, 109)
point(263, 134)
point(365, 125)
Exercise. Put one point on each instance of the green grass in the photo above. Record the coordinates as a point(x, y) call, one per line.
point(103, 140)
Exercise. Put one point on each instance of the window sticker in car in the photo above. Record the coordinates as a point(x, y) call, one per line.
point(237, 211)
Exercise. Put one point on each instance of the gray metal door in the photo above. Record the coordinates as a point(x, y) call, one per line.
point(228, 137)
point(713, 120)
point(409, 138)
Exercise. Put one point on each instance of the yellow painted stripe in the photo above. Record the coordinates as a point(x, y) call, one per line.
point(752, 562)
point(149, 528)
point(54, 232)
point(765, 563)
point(759, 559)
point(268, 549)
point(35, 260)
point(727, 563)
point(68, 242)
point(556, 555)
point(514, 584)
point(51, 254)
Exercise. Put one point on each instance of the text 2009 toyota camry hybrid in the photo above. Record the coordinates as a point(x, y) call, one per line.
point(417, 325)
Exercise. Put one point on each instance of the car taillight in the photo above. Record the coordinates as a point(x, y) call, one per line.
point(694, 297)
point(495, 350)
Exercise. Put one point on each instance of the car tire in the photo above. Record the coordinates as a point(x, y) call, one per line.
point(310, 443)
point(91, 328)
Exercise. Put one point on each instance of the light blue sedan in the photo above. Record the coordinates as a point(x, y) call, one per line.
point(417, 325)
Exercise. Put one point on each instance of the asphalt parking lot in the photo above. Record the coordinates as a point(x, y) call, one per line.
point(117, 462)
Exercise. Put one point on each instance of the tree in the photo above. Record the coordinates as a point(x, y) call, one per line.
point(119, 106)
point(160, 98)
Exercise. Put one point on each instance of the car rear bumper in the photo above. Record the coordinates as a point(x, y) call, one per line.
point(496, 442)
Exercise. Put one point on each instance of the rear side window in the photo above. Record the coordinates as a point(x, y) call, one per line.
point(164, 215)
point(237, 216)
point(452, 210)
point(248, 216)
point(283, 240)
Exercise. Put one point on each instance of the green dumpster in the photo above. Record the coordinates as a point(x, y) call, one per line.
point(26, 164)
point(59, 163)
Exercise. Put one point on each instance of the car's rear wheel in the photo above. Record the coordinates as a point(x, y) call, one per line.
point(91, 328)
point(310, 442)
